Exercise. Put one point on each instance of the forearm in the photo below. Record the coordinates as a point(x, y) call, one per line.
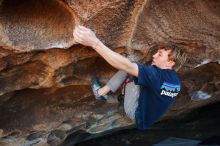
point(87, 37)
point(115, 59)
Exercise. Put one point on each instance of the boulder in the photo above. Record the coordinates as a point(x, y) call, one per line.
point(45, 94)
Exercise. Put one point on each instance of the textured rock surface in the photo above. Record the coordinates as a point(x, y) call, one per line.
point(33, 25)
point(45, 98)
point(193, 126)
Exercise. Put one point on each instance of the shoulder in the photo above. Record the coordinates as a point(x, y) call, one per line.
point(150, 68)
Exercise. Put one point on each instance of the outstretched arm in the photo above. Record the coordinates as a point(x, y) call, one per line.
point(87, 37)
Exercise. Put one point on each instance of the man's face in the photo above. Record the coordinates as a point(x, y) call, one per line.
point(161, 59)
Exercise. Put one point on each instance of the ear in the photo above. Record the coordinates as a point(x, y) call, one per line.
point(171, 63)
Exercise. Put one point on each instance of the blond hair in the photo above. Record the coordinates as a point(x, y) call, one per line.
point(177, 54)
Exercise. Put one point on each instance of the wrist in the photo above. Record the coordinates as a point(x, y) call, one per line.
point(96, 44)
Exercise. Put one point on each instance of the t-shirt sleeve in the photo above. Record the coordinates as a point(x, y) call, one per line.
point(146, 75)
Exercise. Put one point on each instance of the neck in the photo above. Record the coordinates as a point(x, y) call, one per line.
point(165, 67)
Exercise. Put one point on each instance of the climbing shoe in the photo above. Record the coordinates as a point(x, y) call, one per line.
point(95, 86)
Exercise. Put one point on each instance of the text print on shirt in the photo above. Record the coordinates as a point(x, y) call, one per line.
point(170, 90)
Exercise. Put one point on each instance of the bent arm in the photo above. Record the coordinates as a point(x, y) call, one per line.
point(87, 37)
point(116, 60)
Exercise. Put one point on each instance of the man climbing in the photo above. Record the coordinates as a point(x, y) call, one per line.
point(154, 87)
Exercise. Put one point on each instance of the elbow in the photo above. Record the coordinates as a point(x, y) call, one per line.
point(131, 69)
